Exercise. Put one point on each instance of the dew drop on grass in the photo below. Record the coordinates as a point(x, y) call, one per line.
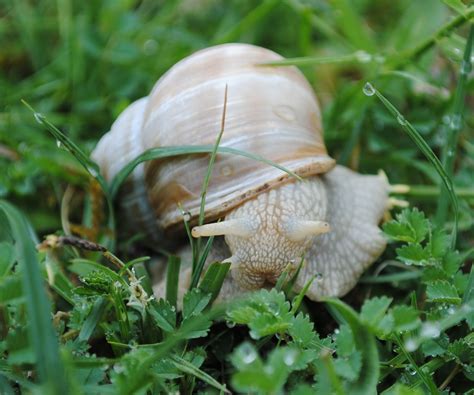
point(410, 370)
point(230, 324)
point(289, 358)
point(248, 354)
point(430, 330)
point(455, 122)
point(401, 120)
point(187, 216)
point(336, 331)
point(368, 89)
point(466, 67)
point(363, 57)
point(411, 345)
point(38, 117)
point(92, 171)
point(59, 144)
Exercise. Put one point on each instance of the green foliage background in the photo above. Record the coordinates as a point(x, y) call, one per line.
point(81, 63)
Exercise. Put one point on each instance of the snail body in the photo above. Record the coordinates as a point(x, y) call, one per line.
point(268, 219)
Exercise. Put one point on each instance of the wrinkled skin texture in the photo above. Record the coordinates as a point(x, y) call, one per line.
point(353, 205)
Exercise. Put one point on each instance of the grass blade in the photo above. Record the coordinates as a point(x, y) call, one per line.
point(42, 336)
point(188, 367)
point(172, 279)
point(214, 278)
point(425, 149)
point(455, 127)
point(200, 264)
point(89, 165)
point(166, 152)
point(93, 319)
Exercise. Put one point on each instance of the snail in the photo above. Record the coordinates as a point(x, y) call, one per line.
point(265, 218)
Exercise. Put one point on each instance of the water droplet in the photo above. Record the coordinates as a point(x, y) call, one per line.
point(285, 112)
point(451, 310)
point(230, 324)
point(455, 122)
point(150, 47)
point(363, 57)
point(450, 153)
point(59, 144)
point(248, 354)
point(226, 170)
point(289, 358)
point(411, 345)
point(410, 370)
point(319, 277)
point(92, 171)
point(430, 330)
point(401, 120)
point(38, 117)
point(466, 67)
point(187, 216)
point(368, 89)
point(336, 331)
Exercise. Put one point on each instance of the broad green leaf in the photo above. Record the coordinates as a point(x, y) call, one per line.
point(409, 226)
point(194, 302)
point(405, 318)
point(163, 314)
point(442, 292)
point(373, 310)
point(414, 254)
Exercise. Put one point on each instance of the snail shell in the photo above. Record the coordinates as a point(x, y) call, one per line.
point(270, 219)
point(271, 112)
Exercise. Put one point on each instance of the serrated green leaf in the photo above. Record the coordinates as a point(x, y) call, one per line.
point(405, 318)
point(451, 262)
point(442, 292)
point(302, 330)
point(409, 226)
point(462, 351)
point(414, 254)
point(373, 310)
point(439, 244)
point(194, 302)
point(163, 314)
point(349, 366)
point(344, 341)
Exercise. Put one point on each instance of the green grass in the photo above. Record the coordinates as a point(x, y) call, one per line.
point(76, 318)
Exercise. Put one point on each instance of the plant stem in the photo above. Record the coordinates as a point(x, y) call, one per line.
point(434, 191)
point(422, 47)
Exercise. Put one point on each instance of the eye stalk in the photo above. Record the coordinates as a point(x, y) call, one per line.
point(300, 229)
point(236, 227)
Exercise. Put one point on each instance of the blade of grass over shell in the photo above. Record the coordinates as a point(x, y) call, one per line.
point(166, 152)
point(172, 279)
point(89, 165)
point(427, 152)
point(199, 265)
point(455, 127)
point(41, 333)
point(356, 57)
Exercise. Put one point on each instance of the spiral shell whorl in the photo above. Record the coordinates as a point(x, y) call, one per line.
point(117, 148)
point(271, 112)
